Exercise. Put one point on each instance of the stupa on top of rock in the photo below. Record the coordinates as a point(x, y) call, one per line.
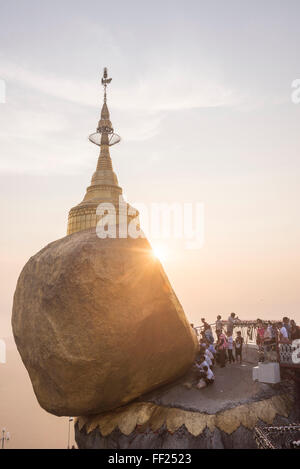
point(104, 186)
point(95, 319)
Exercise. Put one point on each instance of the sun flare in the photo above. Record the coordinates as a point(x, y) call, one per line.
point(160, 252)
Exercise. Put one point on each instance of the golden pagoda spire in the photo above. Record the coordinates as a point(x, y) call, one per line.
point(104, 186)
point(104, 135)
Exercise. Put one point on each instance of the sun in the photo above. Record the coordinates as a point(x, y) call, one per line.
point(160, 252)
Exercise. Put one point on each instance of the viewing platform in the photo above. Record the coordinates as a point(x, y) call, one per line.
point(224, 414)
point(178, 415)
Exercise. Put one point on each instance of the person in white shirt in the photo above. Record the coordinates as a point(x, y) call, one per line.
point(202, 362)
point(287, 324)
point(209, 357)
point(230, 324)
point(212, 349)
point(230, 343)
point(208, 352)
point(210, 377)
point(200, 366)
point(284, 337)
point(208, 360)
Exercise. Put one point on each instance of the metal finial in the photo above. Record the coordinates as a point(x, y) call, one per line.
point(105, 81)
point(104, 134)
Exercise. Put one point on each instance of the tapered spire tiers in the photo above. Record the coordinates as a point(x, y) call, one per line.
point(104, 186)
point(105, 133)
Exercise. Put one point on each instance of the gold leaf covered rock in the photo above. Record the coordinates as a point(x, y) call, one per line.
point(98, 324)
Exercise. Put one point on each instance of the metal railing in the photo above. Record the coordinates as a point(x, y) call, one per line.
point(248, 330)
point(277, 437)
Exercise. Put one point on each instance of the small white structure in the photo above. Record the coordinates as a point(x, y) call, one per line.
point(255, 370)
point(266, 373)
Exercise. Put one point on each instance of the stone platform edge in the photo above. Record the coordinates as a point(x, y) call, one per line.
point(140, 415)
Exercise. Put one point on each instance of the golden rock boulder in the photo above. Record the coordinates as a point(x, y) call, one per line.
point(98, 324)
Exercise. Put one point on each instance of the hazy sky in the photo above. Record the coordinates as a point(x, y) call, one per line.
point(201, 95)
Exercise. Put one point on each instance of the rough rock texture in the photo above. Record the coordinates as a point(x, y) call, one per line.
point(97, 324)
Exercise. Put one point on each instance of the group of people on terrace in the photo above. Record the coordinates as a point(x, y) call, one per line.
point(217, 350)
point(284, 332)
point(223, 348)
